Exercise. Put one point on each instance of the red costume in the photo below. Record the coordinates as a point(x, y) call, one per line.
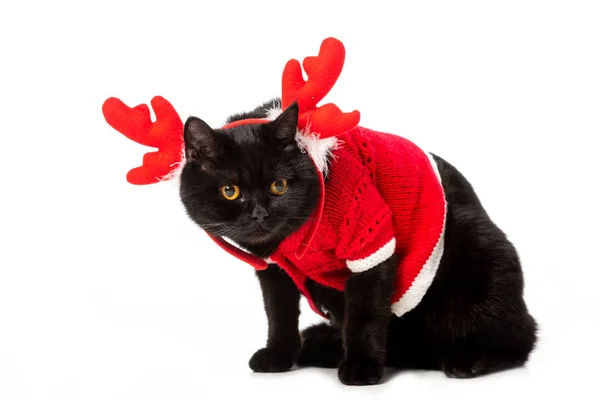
point(382, 196)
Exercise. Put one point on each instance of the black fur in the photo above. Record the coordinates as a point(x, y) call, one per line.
point(282, 304)
point(472, 321)
point(258, 112)
point(252, 157)
point(368, 298)
point(322, 346)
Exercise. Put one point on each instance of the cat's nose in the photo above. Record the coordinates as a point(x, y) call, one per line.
point(260, 213)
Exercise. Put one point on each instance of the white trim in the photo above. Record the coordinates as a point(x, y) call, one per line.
point(364, 264)
point(423, 280)
point(273, 113)
point(320, 150)
point(175, 174)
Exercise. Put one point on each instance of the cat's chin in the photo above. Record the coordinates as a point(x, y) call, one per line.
point(261, 234)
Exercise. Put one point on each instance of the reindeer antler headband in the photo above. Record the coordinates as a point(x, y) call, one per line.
point(166, 133)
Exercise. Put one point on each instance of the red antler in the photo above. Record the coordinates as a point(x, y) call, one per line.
point(166, 134)
point(322, 72)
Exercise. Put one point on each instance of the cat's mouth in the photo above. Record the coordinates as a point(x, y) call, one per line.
point(263, 231)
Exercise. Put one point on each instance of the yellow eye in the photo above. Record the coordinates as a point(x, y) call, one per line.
point(279, 187)
point(230, 192)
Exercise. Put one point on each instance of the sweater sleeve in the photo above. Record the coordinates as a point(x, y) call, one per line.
point(367, 233)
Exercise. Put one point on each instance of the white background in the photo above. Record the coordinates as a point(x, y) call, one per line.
point(108, 291)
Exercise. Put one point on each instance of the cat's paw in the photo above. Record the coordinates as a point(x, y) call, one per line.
point(360, 372)
point(271, 360)
point(464, 369)
point(313, 354)
point(322, 347)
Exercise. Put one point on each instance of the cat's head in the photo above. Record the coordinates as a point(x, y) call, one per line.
point(250, 183)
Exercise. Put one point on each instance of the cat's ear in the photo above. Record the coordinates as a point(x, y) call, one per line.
point(285, 126)
point(201, 141)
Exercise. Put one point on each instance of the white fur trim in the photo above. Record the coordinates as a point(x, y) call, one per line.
point(273, 113)
point(320, 150)
point(423, 280)
point(176, 173)
point(364, 264)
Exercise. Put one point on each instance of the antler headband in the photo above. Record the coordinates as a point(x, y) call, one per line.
point(166, 133)
point(314, 123)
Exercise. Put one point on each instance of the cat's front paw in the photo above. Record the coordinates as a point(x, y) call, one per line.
point(360, 372)
point(271, 360)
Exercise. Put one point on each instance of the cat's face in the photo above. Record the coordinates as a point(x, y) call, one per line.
point(250, 183)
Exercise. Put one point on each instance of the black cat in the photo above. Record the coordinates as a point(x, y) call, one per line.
point(472, 321)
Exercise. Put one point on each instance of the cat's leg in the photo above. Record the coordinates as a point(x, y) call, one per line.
point(367, 314)
point(322, 344)
point(484, 325)
point(474, 314)
point(472, 362)
point(463, 343)
point(490, 346)
point(321, 347)
point(282, 305)
point(473, 319)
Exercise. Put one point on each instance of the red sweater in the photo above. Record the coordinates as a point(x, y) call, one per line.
point(382, 196)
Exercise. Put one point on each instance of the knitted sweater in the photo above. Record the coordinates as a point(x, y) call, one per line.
point(383, 196)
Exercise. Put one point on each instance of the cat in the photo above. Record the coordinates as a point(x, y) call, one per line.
point(471, 321)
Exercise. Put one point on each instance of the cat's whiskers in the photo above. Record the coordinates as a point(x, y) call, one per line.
point(213, 225)
point(223, 232)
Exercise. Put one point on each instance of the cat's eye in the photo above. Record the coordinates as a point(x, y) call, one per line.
point(230, 192)
point(279, 187)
